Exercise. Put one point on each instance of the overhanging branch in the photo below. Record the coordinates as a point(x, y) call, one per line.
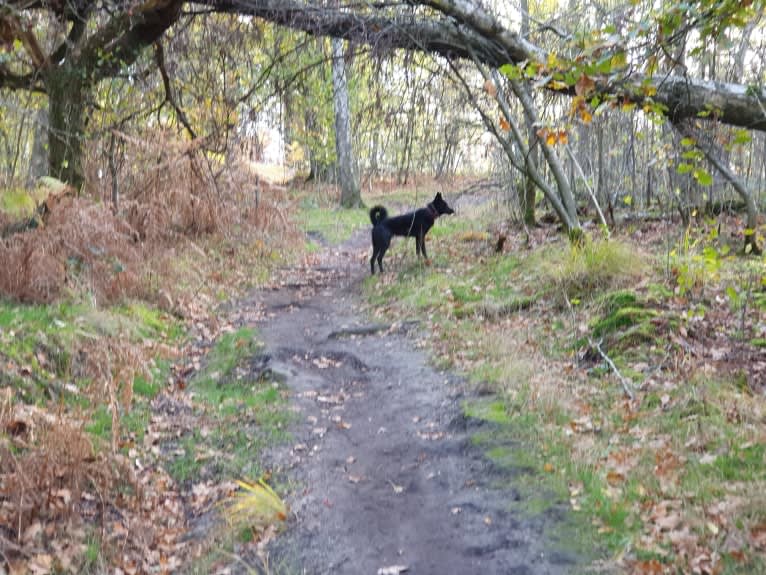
point(459, 28)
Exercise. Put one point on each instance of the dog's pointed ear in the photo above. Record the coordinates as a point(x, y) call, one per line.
point(438, 196)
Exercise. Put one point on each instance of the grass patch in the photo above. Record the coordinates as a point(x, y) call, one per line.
point(230, 350)
point(244, 415)
point(593, 267)
point(185, 465)
point(333, 226)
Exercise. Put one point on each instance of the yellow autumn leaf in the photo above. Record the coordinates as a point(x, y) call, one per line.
point(575, 105)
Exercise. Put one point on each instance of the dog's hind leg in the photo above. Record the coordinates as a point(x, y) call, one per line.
point(372, 262)
point(381, 253)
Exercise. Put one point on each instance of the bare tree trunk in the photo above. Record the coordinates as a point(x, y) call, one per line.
point(708, 147)
point(530, 190)
point(113, 175)
point(38, 163)
point(350, 196)
point(66, 110)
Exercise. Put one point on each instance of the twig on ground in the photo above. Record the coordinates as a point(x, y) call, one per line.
point(626, 385)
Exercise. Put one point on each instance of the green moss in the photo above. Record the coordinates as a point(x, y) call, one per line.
point(17, 203)
point(616, 300)
point(493, 411)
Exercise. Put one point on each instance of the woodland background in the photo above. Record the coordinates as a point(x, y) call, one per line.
point(160, 157)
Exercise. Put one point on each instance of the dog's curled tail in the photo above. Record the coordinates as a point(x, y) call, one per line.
point(378, 214)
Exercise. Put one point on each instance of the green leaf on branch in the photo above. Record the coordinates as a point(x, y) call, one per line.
point(742, 137)
point(703, 177)
point(510, 71)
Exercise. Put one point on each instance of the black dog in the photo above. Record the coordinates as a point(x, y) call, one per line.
point(413, 224)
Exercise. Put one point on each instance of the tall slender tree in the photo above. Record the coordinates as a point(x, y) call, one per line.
point(350, 196)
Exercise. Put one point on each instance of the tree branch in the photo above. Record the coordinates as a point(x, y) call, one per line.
point(11, 81)
point(159, 55)
point(470, 28)
point(126, 35)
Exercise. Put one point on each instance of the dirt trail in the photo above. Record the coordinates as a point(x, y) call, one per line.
point(380, 457)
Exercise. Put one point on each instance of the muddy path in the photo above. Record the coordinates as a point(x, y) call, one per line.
point(380, 462)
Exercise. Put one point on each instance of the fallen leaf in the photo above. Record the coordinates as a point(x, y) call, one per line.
point(614, 477)
point(649, 567)
point(758, 536)
point(41, 564)
point(668, 522)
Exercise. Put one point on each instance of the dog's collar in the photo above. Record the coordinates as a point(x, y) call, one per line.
point(432, 211)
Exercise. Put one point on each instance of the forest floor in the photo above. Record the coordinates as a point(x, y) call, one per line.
point(516, 406)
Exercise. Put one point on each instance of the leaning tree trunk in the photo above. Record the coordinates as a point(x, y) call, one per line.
point(350, 196)
point(530, 190)
point(66, 113)
point(572, 222)
point(709, 148)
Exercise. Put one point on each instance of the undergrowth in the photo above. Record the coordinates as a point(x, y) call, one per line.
point(97, 308)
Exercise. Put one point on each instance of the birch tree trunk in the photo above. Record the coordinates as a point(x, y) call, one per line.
point(350, 196)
